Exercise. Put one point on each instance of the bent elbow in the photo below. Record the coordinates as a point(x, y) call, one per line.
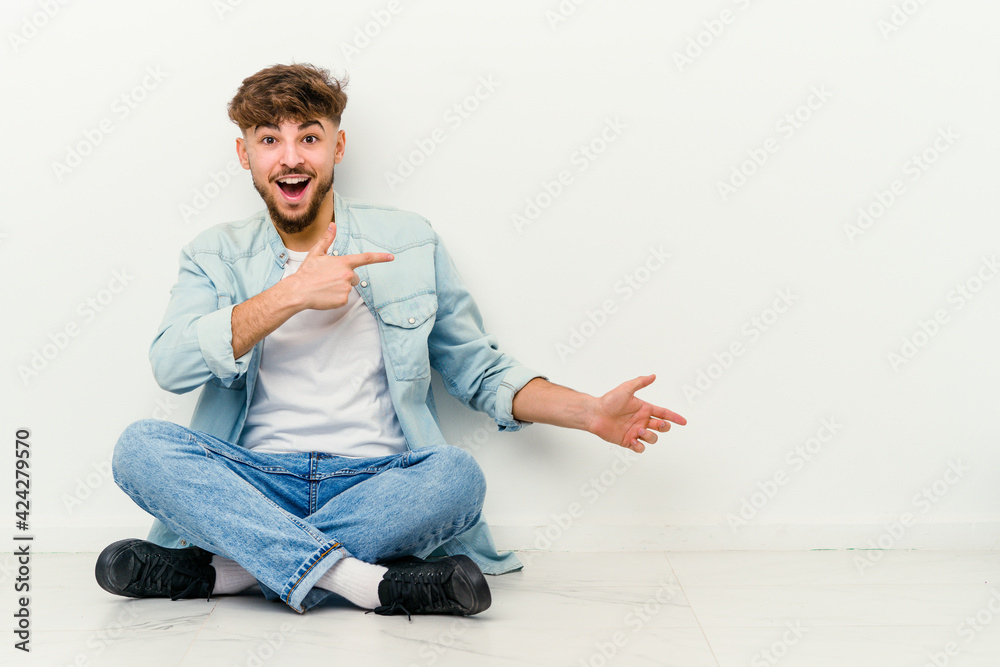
point(169, 379)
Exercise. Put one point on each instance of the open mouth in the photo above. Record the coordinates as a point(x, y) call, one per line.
point(293, 187)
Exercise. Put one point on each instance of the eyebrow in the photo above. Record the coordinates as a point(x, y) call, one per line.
point(302, 126)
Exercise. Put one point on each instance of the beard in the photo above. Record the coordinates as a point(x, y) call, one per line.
point(296, 223)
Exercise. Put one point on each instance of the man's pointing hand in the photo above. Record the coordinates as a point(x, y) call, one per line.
point(324, 281)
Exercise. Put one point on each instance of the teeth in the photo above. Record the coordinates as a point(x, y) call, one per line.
point(292, 180)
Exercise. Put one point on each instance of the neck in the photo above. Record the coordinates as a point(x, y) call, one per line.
point(309, 236)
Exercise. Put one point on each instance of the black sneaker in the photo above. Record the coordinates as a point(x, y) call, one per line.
point(453, 585)
point(140, 569)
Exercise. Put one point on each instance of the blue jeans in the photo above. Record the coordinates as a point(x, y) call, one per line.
point(287, 518)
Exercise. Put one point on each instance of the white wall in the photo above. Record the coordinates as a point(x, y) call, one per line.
point(881, 94)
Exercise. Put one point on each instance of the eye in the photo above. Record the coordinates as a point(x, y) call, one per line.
point(267, 140)
point(313, 137)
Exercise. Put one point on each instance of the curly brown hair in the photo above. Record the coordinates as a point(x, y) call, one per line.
point(280, 93)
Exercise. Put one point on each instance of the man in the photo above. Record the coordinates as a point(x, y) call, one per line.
point(315, 463)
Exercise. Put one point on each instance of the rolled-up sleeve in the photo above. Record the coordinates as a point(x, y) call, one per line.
point(194, 342)
point(473, 368)
point(215, 337)
point(513, 380)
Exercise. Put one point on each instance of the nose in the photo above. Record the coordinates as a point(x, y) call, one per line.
point(290, 156)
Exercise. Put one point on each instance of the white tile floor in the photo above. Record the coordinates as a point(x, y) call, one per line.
point(720, 609)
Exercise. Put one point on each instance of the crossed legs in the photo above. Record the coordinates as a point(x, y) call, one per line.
point(288, 518)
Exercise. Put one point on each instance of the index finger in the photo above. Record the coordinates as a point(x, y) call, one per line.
point(361, 259)
point(663, 413)
point(321, 246)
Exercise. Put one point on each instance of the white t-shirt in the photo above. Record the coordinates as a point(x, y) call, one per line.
point(322, 385)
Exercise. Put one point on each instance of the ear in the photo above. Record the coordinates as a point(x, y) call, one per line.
point(341, 146)
point(241, 152)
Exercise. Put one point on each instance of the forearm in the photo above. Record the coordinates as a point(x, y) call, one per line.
point(258, 316)
point(543, 402)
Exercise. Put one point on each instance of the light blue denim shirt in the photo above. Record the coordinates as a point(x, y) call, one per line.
point(426, 318)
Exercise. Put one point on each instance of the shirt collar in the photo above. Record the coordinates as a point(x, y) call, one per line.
point(340, 244)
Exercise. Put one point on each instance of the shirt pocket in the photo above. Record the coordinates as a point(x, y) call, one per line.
point(405, 327)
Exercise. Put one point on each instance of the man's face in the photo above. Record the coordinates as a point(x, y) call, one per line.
point(292, 168)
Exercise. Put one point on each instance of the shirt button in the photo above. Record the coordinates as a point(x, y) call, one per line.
point(336, 252)
point(364, 283)
point(411, 320)
point(183, 542)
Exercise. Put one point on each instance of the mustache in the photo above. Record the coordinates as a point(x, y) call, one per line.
point(291, 172)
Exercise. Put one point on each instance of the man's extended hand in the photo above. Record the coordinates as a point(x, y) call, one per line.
point(621, 418)
point(324, 281)
point(618, 416)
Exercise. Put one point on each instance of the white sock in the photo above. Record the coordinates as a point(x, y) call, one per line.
point(230, 577)
point(355, 580)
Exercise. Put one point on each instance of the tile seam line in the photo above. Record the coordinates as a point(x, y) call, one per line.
point(197, 634)
point(701, 627)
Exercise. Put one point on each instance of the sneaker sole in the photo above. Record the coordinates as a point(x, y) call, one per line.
point(469, 586)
